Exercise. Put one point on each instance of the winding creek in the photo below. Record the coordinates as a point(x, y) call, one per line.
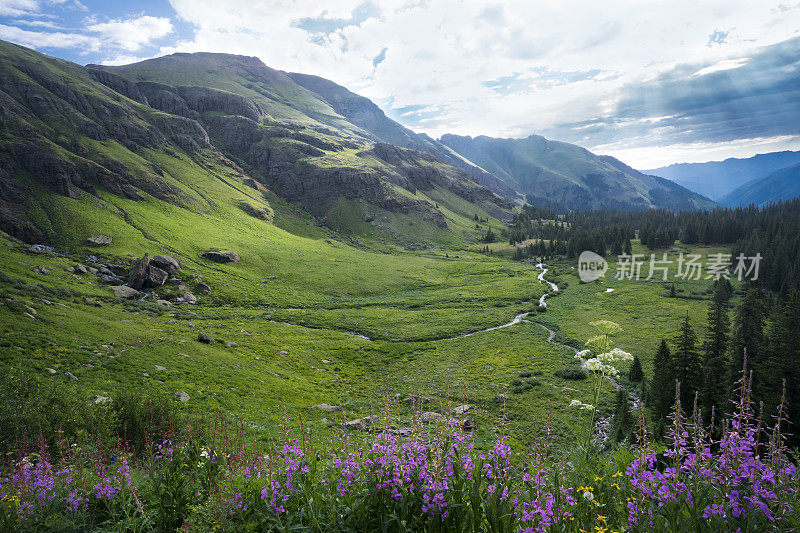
point(602, 426)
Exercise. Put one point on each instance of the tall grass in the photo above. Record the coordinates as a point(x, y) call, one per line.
point(431, 479)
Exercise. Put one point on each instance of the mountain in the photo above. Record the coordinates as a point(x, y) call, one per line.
point(783, 184)
point(715, 179)
point(572, 176)
point(365, 114)
point(203, 133)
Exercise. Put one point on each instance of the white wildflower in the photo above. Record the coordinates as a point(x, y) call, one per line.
point(580, 405)
point(588, 496)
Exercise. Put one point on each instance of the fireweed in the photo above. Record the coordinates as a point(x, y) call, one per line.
point(434, 479)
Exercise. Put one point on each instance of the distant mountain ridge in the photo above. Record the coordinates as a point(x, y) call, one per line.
point(571, 175)
point(783, 184)
point(716, 179)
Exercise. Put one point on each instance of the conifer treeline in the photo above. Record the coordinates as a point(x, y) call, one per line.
point(764, 327)
point(773, 231)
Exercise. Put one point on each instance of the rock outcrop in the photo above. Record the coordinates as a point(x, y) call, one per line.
point(166, 263)
point(221, 256)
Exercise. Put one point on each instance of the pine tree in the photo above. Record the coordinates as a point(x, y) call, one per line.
point(716, 346)
point(748, 335)
point(622, 423)
point(662, 388)
point(786, 345)
point(687, 366)
point(636, 374)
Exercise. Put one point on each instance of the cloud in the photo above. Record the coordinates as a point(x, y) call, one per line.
point(133, 33)
point(128, 35)
point(40, 39)
point(689, 109)
point(15, 8)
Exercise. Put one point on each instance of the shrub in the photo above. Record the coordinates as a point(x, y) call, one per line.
point(571, 372)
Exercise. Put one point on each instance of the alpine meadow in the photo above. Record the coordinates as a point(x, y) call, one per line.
point(427, 296)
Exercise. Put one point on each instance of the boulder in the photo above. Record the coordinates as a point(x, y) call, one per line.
point(123, 291)
point(461, 409)
point(166, 263)
point(202, 288)
point(165, 303)
point(156, 277)
point(109, 280)
point(204, 338)
point(231, 344)
point(430, 417)
point(181, 396)
point(221, 256)
point(417, 399)
point(80, 269)
point(119, 271)
point(97, 400)
point(189, 298)
point(328, 408)
point(42, 270)
point(362, 423)
point(99, 240)
point(138, 276)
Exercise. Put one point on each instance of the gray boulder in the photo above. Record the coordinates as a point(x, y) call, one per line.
point(182, 396)
point(156, 277)
point(221, 256)
point(204, 338)
point(430, 417)
point(123, 291)
point(461, 409)
point(166, 263)
point(138, 275)
point(189, 298)
point(99, 240)
point(362, 423)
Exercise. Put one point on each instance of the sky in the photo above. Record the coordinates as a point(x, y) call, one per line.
point(650, 82)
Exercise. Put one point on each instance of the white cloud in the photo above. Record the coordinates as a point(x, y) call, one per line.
point(40, 39)
point(128, 35)
point(726, 64)
point(15, 8)
point(133, 33)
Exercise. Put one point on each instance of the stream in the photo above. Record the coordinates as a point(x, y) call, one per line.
point(602, 426)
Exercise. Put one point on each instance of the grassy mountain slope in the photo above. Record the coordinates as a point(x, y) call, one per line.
point(104, 141)
point(291, 140)
point(368, 116)
point(716, 179)
point(571, 175)
point(783, 184)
